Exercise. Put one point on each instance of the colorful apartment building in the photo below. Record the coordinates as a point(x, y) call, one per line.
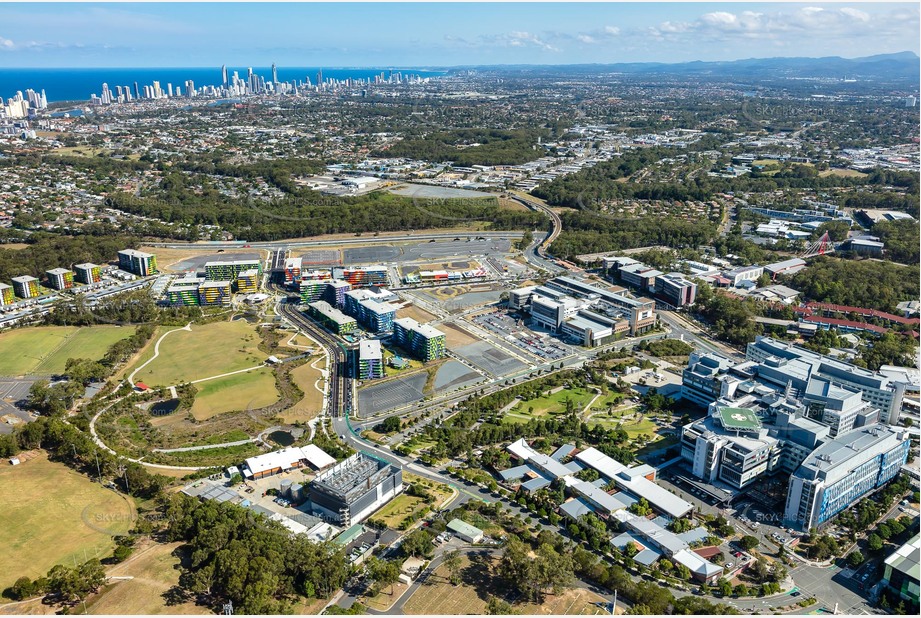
point(423, 341)
point(335, 292)
point(182, 295)
point(60, 278)
point(313, 285)
point(370, 360)
point(248, 281)
point(6, 295)
point(184, 291)
point(363, 277)
point(371, 309)
point(230, 269)
point(88, 273)
point(26, 286)
point(332, 318)
point(293, 267)
point(139, 263)
point(214, 293)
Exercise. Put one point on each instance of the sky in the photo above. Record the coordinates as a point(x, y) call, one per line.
point(442, 34)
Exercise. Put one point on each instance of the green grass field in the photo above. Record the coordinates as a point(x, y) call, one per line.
point(555, 404)
point(205, 351)
point(52, 515)
point(242, 391)
point(44, 350)
point(633, 428)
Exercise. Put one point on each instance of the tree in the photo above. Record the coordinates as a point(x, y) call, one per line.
point(748, 542)
point(383, 573)
point(452, 561)
point(497, 607)
point(874, 542)
point(417, 543)
point(740, 590)
point(855, 559)
point(725, 587)
point(640, 507)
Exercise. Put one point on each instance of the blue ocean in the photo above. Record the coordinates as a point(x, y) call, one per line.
point(80, 84)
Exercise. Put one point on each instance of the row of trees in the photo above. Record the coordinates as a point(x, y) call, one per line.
point(47, 251)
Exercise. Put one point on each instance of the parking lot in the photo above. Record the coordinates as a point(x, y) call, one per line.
point(13, 391)
point(391, 394)
point(489, 358)
point(538, 344)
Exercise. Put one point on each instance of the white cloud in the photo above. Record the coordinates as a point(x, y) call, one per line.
point(810, 21)
point(585, 38)
point(6, 43)
point(612, 30)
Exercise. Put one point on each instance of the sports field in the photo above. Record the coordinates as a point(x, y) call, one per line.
point(154, 571)
point(53, 515)
point(44, 350)
point(438, 596)
point(250, 390)
point(204, 351)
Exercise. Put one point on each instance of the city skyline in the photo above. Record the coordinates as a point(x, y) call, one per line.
point(443, 34)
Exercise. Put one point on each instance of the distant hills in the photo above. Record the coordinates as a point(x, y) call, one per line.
point(902, 65)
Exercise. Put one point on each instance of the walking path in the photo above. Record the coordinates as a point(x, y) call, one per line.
point(202, 447)
point(187, 327)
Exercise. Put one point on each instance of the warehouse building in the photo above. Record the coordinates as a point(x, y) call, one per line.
point(353, 489)
point(465, 531)
point(286, 459)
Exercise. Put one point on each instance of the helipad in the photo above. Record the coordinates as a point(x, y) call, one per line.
point(739, 419)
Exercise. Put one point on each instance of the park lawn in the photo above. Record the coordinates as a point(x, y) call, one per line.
point(310, 405)
point(46, 516)
point(550, 404)
point(205, 351)
point(633, 428)
point(155, 570)
point(241, 391)
point(88, 342)
point(397, 510)
point(405, 505)
point(842, 172)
